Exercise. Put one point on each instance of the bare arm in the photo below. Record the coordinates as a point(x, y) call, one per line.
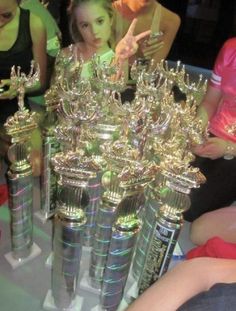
point(209, 104)
point(170, 23)
point(38, 34)
point(185, 281)
point(169, 26)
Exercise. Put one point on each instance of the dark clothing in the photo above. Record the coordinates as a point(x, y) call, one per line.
point(221, 297)
point(218, 191)
point(20, 54)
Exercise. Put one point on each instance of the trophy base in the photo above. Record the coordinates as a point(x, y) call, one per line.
point(49, 260)
point(123, 305)
point(97, 308)
point(85, 284)
point(132, 293)
point(43, 217)
point(15, 263)
point(49, 304)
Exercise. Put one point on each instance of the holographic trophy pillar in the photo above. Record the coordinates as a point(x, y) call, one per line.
point(49, 179)
point(67, 248)
point(168, 224)
point(104, 221)
point(124, 233)
point(20, 179)
point(169, 219)
point(94, 191)
point(153, 203)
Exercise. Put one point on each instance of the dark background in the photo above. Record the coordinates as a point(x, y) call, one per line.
point(205, 25)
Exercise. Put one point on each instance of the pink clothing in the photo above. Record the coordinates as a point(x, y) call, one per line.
point(223, 123)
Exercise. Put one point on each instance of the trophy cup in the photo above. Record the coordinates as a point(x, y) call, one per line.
point(20, 179)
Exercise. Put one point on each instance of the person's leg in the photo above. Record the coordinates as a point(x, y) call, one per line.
point(219, 297)
point(221, 223)
point(219, 189)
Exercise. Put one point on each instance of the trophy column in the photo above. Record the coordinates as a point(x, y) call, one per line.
point(48, 179)
point(20, 181)
point(67, 248)
point(124, 234)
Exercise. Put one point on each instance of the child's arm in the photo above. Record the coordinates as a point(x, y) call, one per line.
point(183, 282)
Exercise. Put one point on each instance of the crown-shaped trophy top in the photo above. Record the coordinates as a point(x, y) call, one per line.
point(22, 123)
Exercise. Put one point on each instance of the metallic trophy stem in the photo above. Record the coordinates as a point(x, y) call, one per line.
point(104, 222)
point(169, 220)
point(94, 191)
point(124, 234)
point(20, 181)
point(67, 248)
point(153, 203)
point(49, 178)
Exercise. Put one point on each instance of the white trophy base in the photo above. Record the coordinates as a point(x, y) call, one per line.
point(97, 308)
point(49, 304)
point(15, 263)
point(49, 260)
point(122, 307)
point(85, 285)
point(132, 293)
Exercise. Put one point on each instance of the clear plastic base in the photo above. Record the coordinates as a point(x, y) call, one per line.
point(15, 263)
point(49, 304)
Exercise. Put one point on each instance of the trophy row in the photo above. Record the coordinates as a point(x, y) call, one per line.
point(116, 175)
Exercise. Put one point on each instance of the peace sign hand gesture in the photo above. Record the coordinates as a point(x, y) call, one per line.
point(128, 45)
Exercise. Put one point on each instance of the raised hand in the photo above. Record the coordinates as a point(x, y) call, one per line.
point(128, 45)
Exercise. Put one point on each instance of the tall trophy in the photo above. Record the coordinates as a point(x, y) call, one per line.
point(20, 179)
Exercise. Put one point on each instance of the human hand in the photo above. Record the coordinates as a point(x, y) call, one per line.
point(213, 148)
point(8, 91)
point(152, 45)
point(128, 45)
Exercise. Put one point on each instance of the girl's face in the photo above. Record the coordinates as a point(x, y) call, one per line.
point(94, 24)
point(7, 11)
